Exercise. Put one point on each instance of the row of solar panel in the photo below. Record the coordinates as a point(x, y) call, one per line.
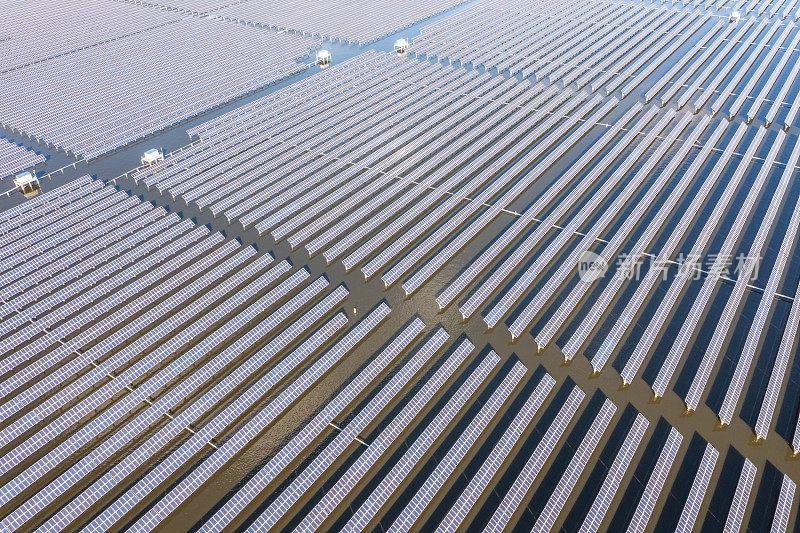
point(624, 46)
point(391, 480)
point(324, 193)
point(39, 30)
point(139, 332)
point(357, 22)
point(67, 101)
point(610, 44)
point(786, 8)
point(193, 7)
point(540, 271)
point(721, 58)
point(330, 199)
point(15, 158)
point(101, 427)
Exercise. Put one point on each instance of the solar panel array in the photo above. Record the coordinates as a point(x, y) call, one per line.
point(333, 199)
point(334, 186)
point(589, 44)
point(355, 22)
point(115, 312)
point(99, 98)
point(14, 158)
point(395, 166)
point(666, 53)
point(92, 363)
point(305, 502)
point(770, 8)
point(623, 198)
point(113, 350)
point(39, 30)
point(197, 7)
point(744, 69)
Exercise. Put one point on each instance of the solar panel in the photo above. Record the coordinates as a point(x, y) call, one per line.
point(625, 271)
point(455, 455)
point(783, 509)
point(16, 216)
point(714, 83)
point(535, 305)
point(512, 294)
point(741, 71)
point(492, 128)
point(120, 337)
point(359, 22)
point(565, 49)
point(124, 406)
point(677, 37)
point(458, 285)
point(655, 483)
point(63, 237)
point(760, 99)
point(454, 245)
point(168, 502)
point(72, 302)
point(613, 247)
point(323, 461)
point(744, 275)
point(126, 292)
point(741, 497)
point(58, 289)
point(143, 354)
point(697, 491)
point(495, 186)
point(712, 65)
point(726, 412)
point(30, 29)
point(57, 209)
point(78, 88)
